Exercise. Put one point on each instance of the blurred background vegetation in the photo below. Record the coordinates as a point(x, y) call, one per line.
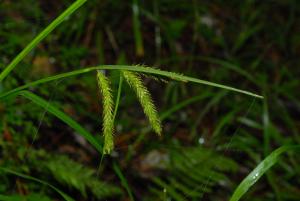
point(211, 138)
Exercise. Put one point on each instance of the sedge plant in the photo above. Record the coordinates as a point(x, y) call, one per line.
point(132, 75)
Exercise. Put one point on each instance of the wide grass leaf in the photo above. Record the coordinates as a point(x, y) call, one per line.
point(260, 170)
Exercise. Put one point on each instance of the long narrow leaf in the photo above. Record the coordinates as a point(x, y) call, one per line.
point(130, 68)
point(62, 116)
point(62, 194)
point(123, 181)
point(137, 29)
point(260, 170)
point(40, 37)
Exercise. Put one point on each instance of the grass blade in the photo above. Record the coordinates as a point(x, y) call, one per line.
point(137, 29)
point(260, 170)
point(40, 37)
point(62, 194)
point(62, 116)
point(130, 68)
point(118, 96)
point(123, 180)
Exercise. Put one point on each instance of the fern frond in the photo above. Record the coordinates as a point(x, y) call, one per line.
point(108, 120)
point(145, 99)
point(192, 172)
point(79, 177)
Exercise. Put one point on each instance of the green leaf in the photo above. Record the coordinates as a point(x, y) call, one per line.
point(191, 171)
point(123, 180)
point(260, 170)
point(137, 29)
point(141, 69)
point(40, 37)
point(62, 116)
point(77, 176)
point(62, 194)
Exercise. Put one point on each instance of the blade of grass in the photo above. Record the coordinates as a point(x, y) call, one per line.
point(123, 180)
point(267, 136)
point(137, 29)
point(62, 116)
point(62, 194)
point(131, 68)
point(40, 37)
point(118, 96)
point(260, 170)
point(223, 63)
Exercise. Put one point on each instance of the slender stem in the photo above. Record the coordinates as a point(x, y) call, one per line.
point(137, 29)
point(40, 37)
point(118, 96)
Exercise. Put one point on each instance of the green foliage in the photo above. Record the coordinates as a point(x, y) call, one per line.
point(192, 172)
point(243, 53)
point(40, 37)
point(30, 197)
point(79, 177)
point(260, 170)
point(28, 177)
point(137, 29)
point(123, 181)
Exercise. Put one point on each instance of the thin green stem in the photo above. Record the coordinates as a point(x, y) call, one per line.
point(118, 96)
point(62, 194)
point(123, 180)
point(40, 37)
point(137, 29)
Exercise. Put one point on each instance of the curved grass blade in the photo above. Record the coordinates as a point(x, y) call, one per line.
point(259, 171)
point(62, 194)
point(40, 37)
point(130, 68)
point(62, 116)
point(222, 63)
point(108, 117)
point(123, 180)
